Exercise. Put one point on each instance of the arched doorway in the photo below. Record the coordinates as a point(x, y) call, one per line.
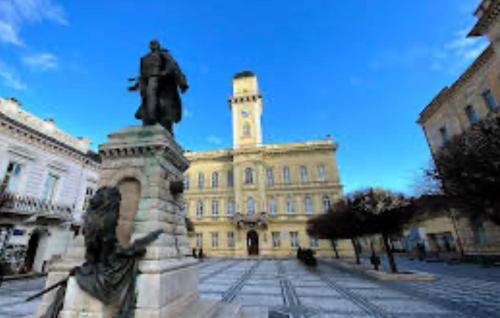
point(253, 243)
point(31, 251)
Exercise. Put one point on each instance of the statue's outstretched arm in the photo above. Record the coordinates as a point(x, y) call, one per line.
point(180, 78)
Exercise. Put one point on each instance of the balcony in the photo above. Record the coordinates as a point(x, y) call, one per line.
point(23, 206)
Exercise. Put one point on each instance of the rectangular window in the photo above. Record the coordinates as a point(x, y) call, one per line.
point(50, 187)
point(471, 114)
point(443, 132)
point(294, 239)
point(230, 178)
point(276, 239)
point(215, 208)
point(89, 193)
point(313, 242)
point(199, 208)
point(308, 205)
point(321, 171)
point(186, 182)
point(269, 176)
point(290, 206)
point(201, 180)
point(230, 239)
point(286, 175)
point(215, 239)
point(303, 174)
point(199, 240)
point(490, 100)
point(273, 208)
point(230, 207)
point(215, 180)
point(12, 175)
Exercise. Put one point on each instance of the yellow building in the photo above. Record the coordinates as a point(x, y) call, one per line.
point(472, 97)
point(255, 199)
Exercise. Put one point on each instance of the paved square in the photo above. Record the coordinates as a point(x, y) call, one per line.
point(288, 287)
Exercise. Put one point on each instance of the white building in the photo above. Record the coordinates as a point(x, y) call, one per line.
point(47, 177)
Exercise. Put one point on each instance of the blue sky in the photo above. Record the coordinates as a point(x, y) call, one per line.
point(358, 70)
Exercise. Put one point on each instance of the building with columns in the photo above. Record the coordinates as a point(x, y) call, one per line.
point(255, 199)
point(47, 177)
point(474, 96)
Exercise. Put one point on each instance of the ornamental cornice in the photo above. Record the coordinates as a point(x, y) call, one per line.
point(47, 143)
point(447, 92)
point(487, 17)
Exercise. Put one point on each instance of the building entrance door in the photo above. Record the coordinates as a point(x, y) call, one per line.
point(253, 243)
point(31, 251)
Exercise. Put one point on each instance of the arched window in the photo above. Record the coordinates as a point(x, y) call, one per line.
point(308, 205)
point(290, 207)
point(246, 130)
point(215, 179)
point(201, 180)
point(199, 208)
point(186, 181)
point(286, 175)
point(326, 203)
point(272, 206)
point(269, 176)
point(230, 207)
point(250, 206)
point(248, 176)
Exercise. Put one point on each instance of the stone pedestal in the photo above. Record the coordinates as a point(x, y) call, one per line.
point(143, 162)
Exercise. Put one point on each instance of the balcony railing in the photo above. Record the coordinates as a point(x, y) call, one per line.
point(24, 205)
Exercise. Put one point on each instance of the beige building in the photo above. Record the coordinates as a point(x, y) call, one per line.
point(472, 97)
point(255, 199)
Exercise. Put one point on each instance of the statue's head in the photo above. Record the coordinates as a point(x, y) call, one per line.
point(154, 45)
point(105, 198)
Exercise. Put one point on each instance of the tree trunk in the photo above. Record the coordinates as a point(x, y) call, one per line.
point(390, 257)
point(356, 250)
point(374, 256)
point(335, 250)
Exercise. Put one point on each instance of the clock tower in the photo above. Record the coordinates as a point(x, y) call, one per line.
point(246, 108)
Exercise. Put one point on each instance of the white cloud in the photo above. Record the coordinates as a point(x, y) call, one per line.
point(8, 34)
point(10, 79)
point(15, 13)
point(214, 140)
point(452, 56)
point(41, 61)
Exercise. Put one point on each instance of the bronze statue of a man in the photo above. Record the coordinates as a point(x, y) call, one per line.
point(159, 80)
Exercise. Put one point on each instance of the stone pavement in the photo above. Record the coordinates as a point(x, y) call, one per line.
point(292, 290)
point(470, 288)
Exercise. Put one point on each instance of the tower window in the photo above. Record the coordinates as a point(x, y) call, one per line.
point(490, 100)
point(248, 176)
point(246, 130)
point(471, 114)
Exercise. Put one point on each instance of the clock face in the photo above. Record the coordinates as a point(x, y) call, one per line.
point(245, 112)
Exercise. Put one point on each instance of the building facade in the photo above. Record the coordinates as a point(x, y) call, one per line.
point(255, 199)
point(47, 177)
point(472, 97)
